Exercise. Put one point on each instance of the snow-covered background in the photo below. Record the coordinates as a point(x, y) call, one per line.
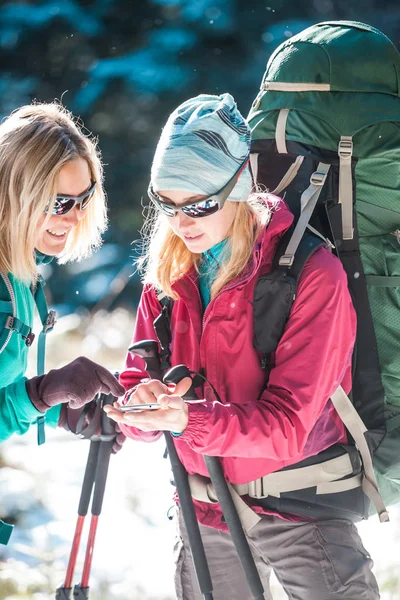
point(40, 488)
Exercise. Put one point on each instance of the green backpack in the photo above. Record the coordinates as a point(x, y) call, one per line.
point(326, 137)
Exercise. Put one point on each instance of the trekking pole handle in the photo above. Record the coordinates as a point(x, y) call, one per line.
point(148, 350)
point(88, 480)
point(101, 477)
point(107, 425)
point(104, 427)
point(175, 375)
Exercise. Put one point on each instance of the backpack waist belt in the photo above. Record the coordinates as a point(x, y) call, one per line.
point(325, 476)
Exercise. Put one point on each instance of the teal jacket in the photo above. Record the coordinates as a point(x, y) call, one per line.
point(17, 412)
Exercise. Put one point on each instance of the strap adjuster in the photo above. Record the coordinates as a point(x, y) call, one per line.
point(9, 324)
point(256, 489)
point(317, 178)
point(29, 338)
point(345, 149)
point(50, 321)
point(286, 260)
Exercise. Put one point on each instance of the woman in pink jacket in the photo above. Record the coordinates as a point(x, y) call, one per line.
point(208, 243)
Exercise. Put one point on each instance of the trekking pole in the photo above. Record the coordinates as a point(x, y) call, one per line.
point(95, 476)
point(224, 496)
point(64, 591)
point(148, 350)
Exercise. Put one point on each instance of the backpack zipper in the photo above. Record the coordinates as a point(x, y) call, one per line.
point(10, 290)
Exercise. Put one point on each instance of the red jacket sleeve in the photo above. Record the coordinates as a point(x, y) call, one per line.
point(135, 367)
point(310, 362)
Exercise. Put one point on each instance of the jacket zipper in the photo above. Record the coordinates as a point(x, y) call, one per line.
point(200, 303)
point(9, 287)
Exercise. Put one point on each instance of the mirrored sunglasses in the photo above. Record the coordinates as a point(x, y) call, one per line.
point(63, 203)
point(202, 208)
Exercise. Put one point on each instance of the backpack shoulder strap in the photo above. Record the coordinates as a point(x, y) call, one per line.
point(48, 320)
point(12, 323)
point(275, 293)
point(7, 308)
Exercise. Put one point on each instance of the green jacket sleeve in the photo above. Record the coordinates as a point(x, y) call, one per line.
point(17, 412)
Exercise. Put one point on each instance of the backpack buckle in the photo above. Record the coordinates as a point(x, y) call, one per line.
point(286, 260)
point(317, 178)
point(29, 338)
point(345, 149)
point(50, 321)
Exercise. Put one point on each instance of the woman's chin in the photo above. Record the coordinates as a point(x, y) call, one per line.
point(50, 245)
point(197, 243)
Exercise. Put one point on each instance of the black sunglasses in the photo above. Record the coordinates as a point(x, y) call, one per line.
point(202, 208)
point(63, 204)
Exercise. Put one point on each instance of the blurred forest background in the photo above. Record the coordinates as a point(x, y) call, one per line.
point(122, 66)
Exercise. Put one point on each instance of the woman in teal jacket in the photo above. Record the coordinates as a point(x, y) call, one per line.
point(51, 204)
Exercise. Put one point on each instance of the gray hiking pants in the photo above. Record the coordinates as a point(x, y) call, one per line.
point(322, 560)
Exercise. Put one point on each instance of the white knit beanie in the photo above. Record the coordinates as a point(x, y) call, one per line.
point(203, 144)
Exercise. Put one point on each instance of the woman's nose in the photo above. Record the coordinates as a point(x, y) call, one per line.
point(182, 219)
point(74, 215)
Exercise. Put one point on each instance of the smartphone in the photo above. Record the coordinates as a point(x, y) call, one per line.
point(138, 407)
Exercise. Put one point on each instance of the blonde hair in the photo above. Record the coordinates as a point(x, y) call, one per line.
point(36, 141)
point(166, 258)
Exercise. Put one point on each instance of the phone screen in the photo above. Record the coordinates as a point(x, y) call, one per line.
point(139, 407)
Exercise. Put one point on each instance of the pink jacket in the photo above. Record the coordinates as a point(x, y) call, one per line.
point(293, 419)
